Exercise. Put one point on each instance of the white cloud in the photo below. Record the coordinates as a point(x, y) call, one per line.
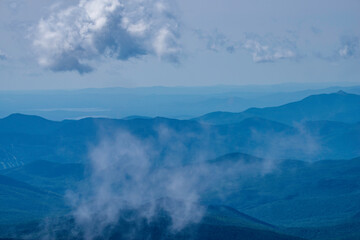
point(126, 173)
point(269, 49)
point(262, 48)
point(71, 38)
point(343, 52)
point(151, 173)
point(350, 47)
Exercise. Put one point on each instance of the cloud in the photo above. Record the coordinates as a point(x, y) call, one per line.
point(127, 173)
point(147, 174)
point(216, 41)
point(71, 38)
point(269, 49)
point(315, 30)
point(350, 47)
point(171, 170)
point(299, 144)
point(262, 48)
point(2, 56)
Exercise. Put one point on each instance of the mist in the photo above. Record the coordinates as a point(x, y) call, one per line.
point(150, 176)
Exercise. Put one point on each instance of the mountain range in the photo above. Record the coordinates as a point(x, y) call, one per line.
point(170, 102)
point(339, 106)
point(301, 177)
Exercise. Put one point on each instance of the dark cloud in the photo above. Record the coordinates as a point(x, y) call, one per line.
point(67, 62)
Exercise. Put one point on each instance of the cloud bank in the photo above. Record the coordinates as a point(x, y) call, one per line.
point(69, 39)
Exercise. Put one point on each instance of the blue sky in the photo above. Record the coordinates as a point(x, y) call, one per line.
point(104, 43)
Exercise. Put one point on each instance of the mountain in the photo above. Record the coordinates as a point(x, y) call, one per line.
point(222, 117)
point(291, 193)
point(296, 167)
point(294, 193)
point(23, 140)
point(49, 176)
point(223, 222)
point(339, 106)
point(27, 124)
point(347, 230)
point(35, 191)
point(219, 222)
point(171, 102)
point(38, 196)
point(21, 202)
point(235, 157)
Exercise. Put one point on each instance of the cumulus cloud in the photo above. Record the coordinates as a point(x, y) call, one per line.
point(69, 39)
point(269, 49)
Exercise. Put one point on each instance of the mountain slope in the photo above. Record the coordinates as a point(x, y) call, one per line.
point(50, 176)
point(340, 106)
point(21, 202)
point(27, 124)
point(68, 141)
point(295, 193)
point(219, 222)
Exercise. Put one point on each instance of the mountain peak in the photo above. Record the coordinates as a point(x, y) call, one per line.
point(341, 92)
point(29, 124)
point(20, 116)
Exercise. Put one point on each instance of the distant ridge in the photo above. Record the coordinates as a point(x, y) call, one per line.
point(19, 117)
point(135, 117)
point(236, 156)
point(339, 106)
point(341, 92)
point(172, 102)
point(28, 124)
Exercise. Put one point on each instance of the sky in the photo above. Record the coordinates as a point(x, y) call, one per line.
point(66, 44)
